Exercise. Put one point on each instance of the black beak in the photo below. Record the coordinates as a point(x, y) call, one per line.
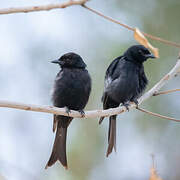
point(55, 61)
point(150, 56)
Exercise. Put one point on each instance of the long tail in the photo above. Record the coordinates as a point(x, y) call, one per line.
point(111, 135)
point(59, 147)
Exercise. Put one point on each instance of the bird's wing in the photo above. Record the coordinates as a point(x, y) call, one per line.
point(143, 81)
point(110, 76)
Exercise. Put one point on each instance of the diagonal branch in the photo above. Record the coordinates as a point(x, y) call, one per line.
point(131, 28)
point(108, 18)
point(41, 8)
point(165, 92)
point(82, 3)
point(174, 71)
point(94, 113)
point(158, 115)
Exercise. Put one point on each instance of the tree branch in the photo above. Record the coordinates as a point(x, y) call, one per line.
point(94, 113)
point(61, 111)
point(82, 3)
point(108, 18)
point(174, 71)
point(41, 8)
point(157, 115)
point(165, 92)
point(131, 28)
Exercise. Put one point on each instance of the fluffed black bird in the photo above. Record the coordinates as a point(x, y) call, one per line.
point(125, 81)
point(71, 90)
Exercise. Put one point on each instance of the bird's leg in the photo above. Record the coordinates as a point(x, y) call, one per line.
point(82, 113)
point(67, 110)
point(126, 104)
point(135, 101)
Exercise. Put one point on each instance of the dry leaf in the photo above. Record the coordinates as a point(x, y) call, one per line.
point(153, 172)
point(154, 175)
point(138, 36)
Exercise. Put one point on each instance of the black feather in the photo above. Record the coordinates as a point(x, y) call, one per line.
point(125, 81)
point(71, 90)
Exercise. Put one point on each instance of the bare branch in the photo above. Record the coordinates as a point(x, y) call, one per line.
point(61, 111)
point(79, 2)
point(132, 29)
point(41, 8)
point(157, 115)
point(165, 92)
point(94, 113)
point(108, 18)
point(174, 71)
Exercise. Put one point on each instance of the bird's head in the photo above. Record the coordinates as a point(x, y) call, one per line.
point(138, 54)
point(70, 60)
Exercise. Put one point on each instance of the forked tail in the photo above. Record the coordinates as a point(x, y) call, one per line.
point(111, 135)
point(59, 147)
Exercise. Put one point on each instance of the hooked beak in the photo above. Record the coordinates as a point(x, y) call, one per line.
point(150, 56)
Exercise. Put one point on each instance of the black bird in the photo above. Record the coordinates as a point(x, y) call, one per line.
point(125, 81)
point(71, 90)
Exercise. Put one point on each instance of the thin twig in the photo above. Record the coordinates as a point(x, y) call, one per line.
point(94, 113)
point(41, 8)
point(131, 28)
point(174, 71)
point(157, 115)
point(165, 92)
point(171, 43)
point(79, 2)
point(108, 18)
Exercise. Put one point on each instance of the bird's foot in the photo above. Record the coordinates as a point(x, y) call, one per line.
point(136, 102)
point(82, 113)
point(68, 111)
point(126, 106)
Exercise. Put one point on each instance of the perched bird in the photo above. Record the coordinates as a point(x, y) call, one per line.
point(125, 81)
point(71, 90)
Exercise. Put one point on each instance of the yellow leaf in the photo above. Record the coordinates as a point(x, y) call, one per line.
point(138, 36)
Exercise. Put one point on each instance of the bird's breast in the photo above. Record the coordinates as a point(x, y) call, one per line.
point(71, 90)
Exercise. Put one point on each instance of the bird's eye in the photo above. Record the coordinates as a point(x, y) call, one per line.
point(141, 52)
point(61, 59)
point(144, 52)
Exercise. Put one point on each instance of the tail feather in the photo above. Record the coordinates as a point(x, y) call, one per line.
point(111, 135)
point(59, 147)
point(54, 123)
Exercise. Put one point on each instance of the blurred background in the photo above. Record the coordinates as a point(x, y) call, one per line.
point(27, 44)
